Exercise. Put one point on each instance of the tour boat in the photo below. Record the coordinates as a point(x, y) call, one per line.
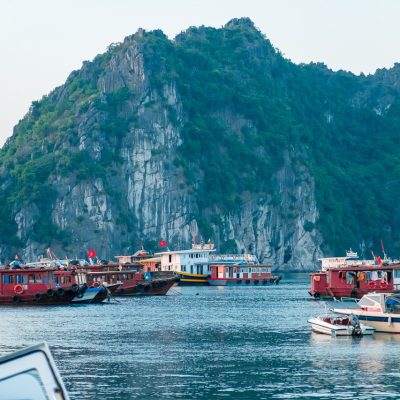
point(192, 266)
point(379, 310)
point(242, 274)
point(355, 281)
point(340, 326)
point(133, 279)
point(37, 286)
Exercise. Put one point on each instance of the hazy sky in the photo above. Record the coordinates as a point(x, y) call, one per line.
point(42, 41)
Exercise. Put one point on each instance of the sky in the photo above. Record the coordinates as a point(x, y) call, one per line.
point(42, 41)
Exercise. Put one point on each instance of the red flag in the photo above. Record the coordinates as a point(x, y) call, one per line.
point(379, 260)
point(163, 243)
point(91, 253)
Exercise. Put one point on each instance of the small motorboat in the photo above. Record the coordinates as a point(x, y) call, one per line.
point(348, 325)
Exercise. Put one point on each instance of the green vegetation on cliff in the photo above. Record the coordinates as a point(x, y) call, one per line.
point(245, 108)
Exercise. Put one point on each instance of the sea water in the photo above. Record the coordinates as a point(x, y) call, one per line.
point(206, 342)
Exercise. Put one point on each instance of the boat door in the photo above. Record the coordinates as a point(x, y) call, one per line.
point(220, 272)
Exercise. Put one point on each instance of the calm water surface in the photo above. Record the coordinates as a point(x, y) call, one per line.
point(206, 342)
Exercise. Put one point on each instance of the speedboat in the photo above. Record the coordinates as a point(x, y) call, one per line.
point(380, 310)
point(340, 326)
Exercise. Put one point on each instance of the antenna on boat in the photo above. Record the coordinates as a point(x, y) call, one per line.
point(383, 250)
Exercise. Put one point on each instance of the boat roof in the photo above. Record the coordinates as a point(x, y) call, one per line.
point(185, 251)
point(359, 268)
point(367, 267)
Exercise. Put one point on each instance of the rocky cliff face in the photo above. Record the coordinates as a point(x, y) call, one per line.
point(103, 162)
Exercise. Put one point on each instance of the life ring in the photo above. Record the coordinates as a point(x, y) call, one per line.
point(383, 285)
point(372, 284)
point(18, 289)
point(51, 293)
point(38, 296)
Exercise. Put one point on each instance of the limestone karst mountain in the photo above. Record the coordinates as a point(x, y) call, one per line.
point(213, 133)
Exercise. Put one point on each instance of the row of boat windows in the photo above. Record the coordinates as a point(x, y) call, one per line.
point(26, 279)
point(367, 276)
point(194, 269)
point(104, 278)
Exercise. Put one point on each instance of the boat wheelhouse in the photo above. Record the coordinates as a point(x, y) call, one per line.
point(192, 266)
point(242, 274)
point(355, 281)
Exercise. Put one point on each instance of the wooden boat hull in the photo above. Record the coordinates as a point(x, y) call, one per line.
point(38, 299)
point(155, 287)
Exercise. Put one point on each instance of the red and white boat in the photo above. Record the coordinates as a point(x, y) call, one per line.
point(355, 281)
point(37, 286)
point(242, 274)
point(134, 279)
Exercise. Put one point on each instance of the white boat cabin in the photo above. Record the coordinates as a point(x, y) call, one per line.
point(193, 261)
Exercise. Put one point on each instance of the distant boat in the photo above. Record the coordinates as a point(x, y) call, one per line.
point(231, 274)
point(38, 286)
point(192, 265)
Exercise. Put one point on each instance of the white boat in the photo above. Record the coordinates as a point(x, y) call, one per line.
point(340, 326)
point(380, 310)
point(31, 373)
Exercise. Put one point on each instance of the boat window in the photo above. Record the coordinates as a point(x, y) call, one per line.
point(170, 258)
point(396, 273)
point(183, 268)
point(350, 278)
point(249, 270)
point(31, 279)
point(9, 279)
point(365, 301)
point(23, 279)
